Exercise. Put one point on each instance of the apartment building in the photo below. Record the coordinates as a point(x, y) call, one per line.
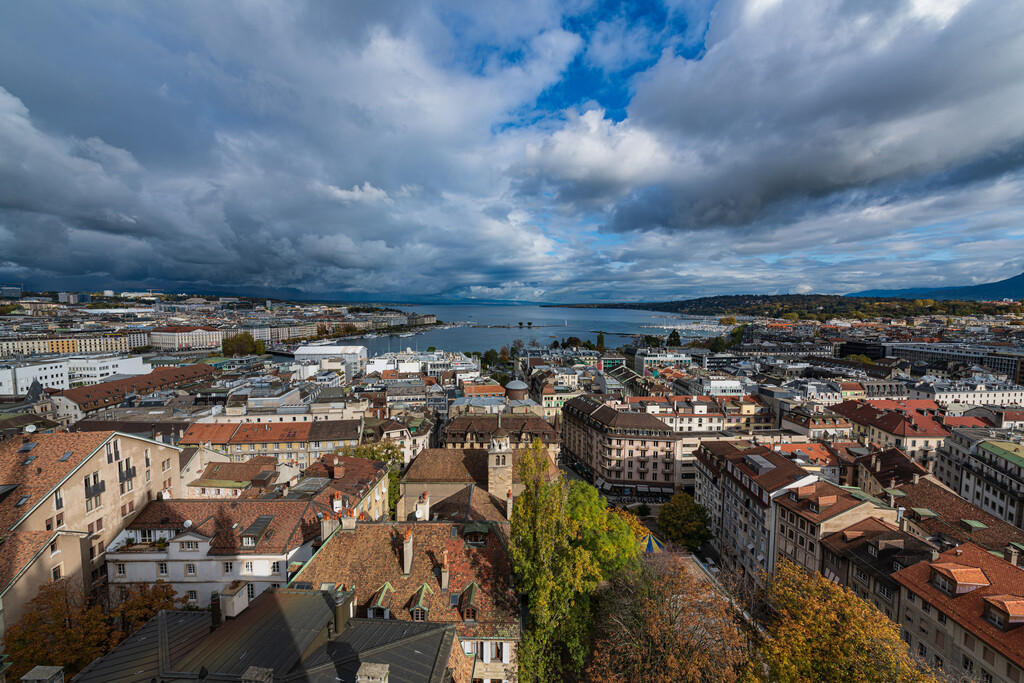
point(911, 426)
point(288, 442)
point(185, 338)
point(864, 556)
point(477, 431)
point(89, 370)
point(202, 546)
point(810, 512)
point(108, 343)
point(816, 425)
point(976, 390)
point(72, 405)
point(624, 449)
point(986, 467)
point(681, 413)
point(1005, 361)
point(739, 488)
point(960, 612)
point(63, 500)
point(17, 378)
point(748, 413)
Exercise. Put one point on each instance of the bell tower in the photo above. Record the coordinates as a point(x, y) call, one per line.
point(499, 463)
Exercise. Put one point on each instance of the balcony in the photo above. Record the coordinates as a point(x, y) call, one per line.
point(96, 489)
point(127, 474)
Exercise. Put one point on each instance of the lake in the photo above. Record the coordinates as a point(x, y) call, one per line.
point(548, 324)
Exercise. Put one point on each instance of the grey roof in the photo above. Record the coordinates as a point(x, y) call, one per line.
point(415, 652)
point(136, 659)
point(516, 384)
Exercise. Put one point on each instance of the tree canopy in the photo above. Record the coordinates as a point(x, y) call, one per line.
point(663, 623)
point(684, 521)
point(821, 631)
point(563, 544)
point(242, 344)
point(674, 339)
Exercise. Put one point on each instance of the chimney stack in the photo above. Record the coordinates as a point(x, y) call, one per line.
point(370, 672)
point(444, 570)
point(407, 553)
point(339, 470)
point(508, 505)
point(423, 507)
point(216, 617)
point(917, 477)
point(342, 610)
point(1012, 555)
point(348, 519)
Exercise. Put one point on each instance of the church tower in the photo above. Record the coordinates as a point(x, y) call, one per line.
point(499, 463)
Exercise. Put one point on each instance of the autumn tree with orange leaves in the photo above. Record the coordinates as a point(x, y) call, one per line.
point(665, 623)
point(820, 631)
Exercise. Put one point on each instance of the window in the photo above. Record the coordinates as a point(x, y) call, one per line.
point(190, 569)
point(229, 567)
point(190, 545)
point(996, 617)
point(161, 568)
point(99, 522)
point(943, 584)
point(883, 591)
point(250, 590)
point(469, 614)
point(860, 574)
point(942, 618)
point(55, 572)
point(922, 650)
point(119, 569)
point(926, 607)
point(419, 614)
point(911, 596)
point(49, 523)
point(967, 665)
point(146, 536)
point(53, 547)
point(193, 596)
point(247, 567)
point(58, 499)
point(248, 541)
point(275, 567)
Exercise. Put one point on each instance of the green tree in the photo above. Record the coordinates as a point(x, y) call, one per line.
point(727, 320)
point(490, 357)
point(261, 347)
point(562, 543)
point(791, 316)
point(684, 521)
point(821, 631)
point(652, 341)
point(387, 452)
point(673, 339)
point(431, 349)
point(529, 324)
point(60, 628)
point(241, 344)
point(600, 341)
point(860, 358)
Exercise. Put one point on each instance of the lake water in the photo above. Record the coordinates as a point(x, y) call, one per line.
point(548, 324)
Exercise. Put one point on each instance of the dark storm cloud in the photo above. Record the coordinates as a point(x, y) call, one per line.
point(401, 150)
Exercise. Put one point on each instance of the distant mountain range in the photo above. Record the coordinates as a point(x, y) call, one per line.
point(1010, 288)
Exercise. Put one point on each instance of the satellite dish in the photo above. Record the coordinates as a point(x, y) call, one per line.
point(188, 523)
point(419, 513)
point(29, 429)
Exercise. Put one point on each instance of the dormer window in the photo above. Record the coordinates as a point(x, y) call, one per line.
point(419, 614)
point(996, 617)
point(469, 614)
point(814, 507)
point(873, 550)
point(943, 584)
point(248, 541)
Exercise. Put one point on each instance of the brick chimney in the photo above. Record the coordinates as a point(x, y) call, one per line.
point(339, 470)
point(444, 570)
point(407, 553)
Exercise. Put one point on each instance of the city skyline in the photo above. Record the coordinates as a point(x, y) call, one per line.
point(529, 151)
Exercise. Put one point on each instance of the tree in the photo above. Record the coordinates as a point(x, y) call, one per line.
point(60, 628)
point(490, 357)
point(632, 521)
point(600, 342)
point(555, 344)
point(727, 320)
point(563, 543)
point(860, 358)
point(431, 349)
point(673, 338)
point(662, 623)
point(529, 324)
point(520, 324)
point(791, 316)
point(239, 345)
point(684, 521)
point(534, 344)
point(503, 354)
point(517, 344)
point(820, 631)
point(387, 452)
point(651, 341)
point(572, 343)
point(137, 603)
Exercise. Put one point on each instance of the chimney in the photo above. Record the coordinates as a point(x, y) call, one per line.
point(917, 477)
point(877, 463)
point(508, 505)
point(328, 524)
point(407, 553)
point(935, 555)
point(423, 507)
point(339, 470)
point(444, 570)
point(1012, 555)
point(348, 519)
point(258, 674)
point(216, 617)
point(372, 673)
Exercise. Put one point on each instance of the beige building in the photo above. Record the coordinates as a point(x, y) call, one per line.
point(185, 337)
point(64, 498)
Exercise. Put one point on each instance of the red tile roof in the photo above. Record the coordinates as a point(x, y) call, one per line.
point(271, 432)
point(213, 433)
point(109, 394)
point(967, 609)
point(370, 556)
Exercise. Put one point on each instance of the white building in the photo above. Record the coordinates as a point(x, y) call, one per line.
point(179, 338)
point(202, 546)
point(16, 378)
point(976, 390)
point(353, 356)
point(88, 370)
point(649, 358)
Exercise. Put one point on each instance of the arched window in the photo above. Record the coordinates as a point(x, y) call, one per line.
point(419, 614)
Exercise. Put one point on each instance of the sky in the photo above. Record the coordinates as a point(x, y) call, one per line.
point(578, 151)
